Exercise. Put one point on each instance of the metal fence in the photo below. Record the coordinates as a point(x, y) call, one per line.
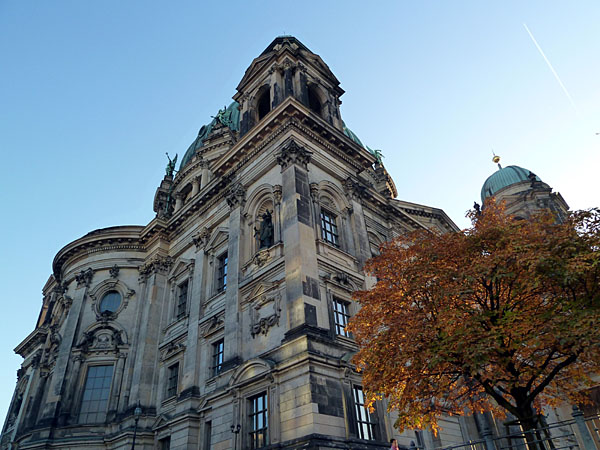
point(578, 433)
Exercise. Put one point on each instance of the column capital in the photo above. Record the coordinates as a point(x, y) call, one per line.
point(158, 264)
point(354, 189)
point(292, 153)
point(236, 195)
point(84, 277)
point(200, 239)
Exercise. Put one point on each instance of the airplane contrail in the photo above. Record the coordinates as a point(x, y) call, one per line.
point(551, 68)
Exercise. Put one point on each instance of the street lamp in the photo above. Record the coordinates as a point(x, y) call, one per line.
point(137, 412)
point(235, 430)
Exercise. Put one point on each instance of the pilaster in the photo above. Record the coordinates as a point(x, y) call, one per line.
point(236, 198)
point(354, 193)
point(55, 390)
point(301, 274)
point(191, 360)
point(146, 359)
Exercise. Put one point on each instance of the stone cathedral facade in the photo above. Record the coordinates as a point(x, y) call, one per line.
point(222, 320)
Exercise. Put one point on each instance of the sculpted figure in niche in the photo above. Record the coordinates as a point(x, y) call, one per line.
point(265, 233)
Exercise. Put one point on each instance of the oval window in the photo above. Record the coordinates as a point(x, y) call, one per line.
point(110, 302)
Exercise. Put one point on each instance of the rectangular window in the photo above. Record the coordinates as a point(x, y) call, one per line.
point(419, 436)
point(95, 394)
point(172, 380)
point(207, 435)
point(341, 316)
point(364, 420)
point(258, 421)
point(329, 230)
point(165, 443)
point(182, 300)
point(217, 358)
point(222, 272)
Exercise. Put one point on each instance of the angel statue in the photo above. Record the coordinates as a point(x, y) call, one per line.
point(171, 165)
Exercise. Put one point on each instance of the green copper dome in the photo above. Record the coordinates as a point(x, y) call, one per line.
point(504, 177)
point(229, 116)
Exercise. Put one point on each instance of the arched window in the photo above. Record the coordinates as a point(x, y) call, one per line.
point(264, 103)
point(110, 302)
point(313, 101)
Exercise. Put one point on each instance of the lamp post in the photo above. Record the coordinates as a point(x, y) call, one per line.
point(235, 430)
point(137, 412)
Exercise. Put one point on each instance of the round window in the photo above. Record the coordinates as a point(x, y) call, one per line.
point(110, 302)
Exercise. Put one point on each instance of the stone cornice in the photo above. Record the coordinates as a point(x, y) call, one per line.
point(125, 238)
point(36, 338)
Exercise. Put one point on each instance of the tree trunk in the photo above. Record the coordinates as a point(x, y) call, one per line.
point(528, 421)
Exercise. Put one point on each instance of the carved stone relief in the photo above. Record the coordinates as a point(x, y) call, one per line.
point(114, 271)
point(265, 312)
point(104, 339)
point(84, 277)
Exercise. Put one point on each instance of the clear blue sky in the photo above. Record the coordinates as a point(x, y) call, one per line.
point(92, 95)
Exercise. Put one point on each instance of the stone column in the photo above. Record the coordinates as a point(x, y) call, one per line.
point(178, 201)
point(204, 174)
point(277, 212)
point(276, 86)
point(195, 185)
point(55, 389)
point(191, 360)
point(146, 358)
point(301, 273)
point(236, 198)
point(354, 192)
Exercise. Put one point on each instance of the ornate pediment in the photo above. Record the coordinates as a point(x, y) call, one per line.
point(217, 237)
point(171, 349)
point(212, 325)
point(102, 339)
point(180, 266)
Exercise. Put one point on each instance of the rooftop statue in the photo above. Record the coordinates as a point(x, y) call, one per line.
point(377, 154)
point(171, 165)
point(224, 117)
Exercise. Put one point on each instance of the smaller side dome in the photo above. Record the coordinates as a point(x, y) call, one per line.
point(504, 177)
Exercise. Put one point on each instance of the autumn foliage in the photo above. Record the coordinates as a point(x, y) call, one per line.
point(504, 316)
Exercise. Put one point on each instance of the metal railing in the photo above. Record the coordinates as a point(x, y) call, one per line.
point(578, 433)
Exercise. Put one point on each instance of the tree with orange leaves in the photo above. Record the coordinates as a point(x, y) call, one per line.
point(502, 317)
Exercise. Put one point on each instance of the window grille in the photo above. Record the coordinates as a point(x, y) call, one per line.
point(364, 420)
point(173, 380)
point(258, 421)
point(217, 359)
point(329, 230)
point(96, 393)
point(182, 300)
point(341, 316)
point(222, 273)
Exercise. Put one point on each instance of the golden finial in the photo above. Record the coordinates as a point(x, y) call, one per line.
point(496, 159)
